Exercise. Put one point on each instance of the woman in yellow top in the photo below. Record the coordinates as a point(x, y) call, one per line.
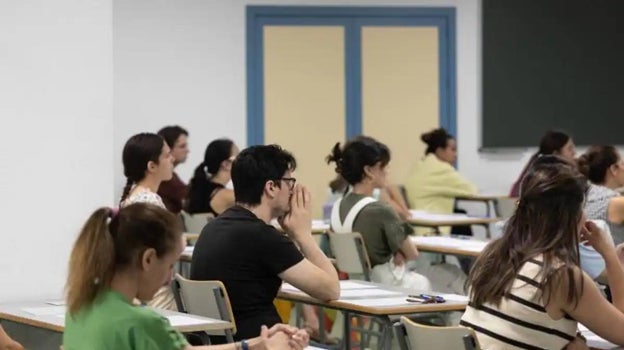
point(434, 183)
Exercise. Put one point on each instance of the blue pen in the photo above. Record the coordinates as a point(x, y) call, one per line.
point(436, 298)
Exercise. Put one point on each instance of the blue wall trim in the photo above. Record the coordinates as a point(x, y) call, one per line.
point(352, 18)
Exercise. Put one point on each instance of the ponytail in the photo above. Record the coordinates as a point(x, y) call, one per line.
point(198, 196)
point(112, 241)
point(200, 172)
point(92, 261)
point(126, 190)
point(336, 157)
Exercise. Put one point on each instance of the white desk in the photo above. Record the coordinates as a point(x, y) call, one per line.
point(372, 299)
point(425, 219)
point(36, 316)
point(486, 199)
point(449, 245)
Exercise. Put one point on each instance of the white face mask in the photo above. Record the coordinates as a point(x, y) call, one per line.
point(229, 185)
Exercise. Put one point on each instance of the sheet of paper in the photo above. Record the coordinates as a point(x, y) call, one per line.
point(319, 225)
point(45, 310)
point(423, 215)
point(379, 302)
point(594, 341)
point(368, 292)
point(346, 285)
point(59, 302)
point(287, 287)
point(454, 297)
point(180, 320)
point(451, 242)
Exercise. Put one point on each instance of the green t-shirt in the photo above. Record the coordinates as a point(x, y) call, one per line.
point(112, 323)
point(380, 226)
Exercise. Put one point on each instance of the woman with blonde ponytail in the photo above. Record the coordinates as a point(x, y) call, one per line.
point(119, 257)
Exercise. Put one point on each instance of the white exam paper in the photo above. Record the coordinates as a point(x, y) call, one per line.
point(45, 311)
point(179, 321)
point(368, 292)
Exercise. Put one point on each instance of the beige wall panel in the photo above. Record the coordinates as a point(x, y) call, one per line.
point(304, 101)
point(400, 90)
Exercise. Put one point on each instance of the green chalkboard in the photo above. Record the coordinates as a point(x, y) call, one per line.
point(552, 64)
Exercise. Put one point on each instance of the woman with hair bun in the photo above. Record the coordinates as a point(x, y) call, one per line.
point(434, 183)
point(363, 163)
point(604, 168)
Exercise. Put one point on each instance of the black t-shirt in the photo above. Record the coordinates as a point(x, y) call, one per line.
point(247, 255)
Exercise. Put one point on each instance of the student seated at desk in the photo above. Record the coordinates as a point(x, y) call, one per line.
point(173, 192)
point(434, 183)
point(526, 289)
point(363, 163)
point(604, 168)
point(251, 257)
point(147, 161)
point(554, 142)
point(208, 192)
point(126, 255)
point(6, 343)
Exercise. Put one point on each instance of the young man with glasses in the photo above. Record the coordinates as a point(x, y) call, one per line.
point(252, 258)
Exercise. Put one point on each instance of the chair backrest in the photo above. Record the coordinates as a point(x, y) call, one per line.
point(421, 337)
point(195, 223)
point(203, 298)
point(350, 253)
point(506, 207)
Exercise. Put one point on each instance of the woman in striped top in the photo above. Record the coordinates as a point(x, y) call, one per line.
point(526, 289)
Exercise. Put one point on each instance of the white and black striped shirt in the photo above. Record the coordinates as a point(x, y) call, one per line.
point(520, 321)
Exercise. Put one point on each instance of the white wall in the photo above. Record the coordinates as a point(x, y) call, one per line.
point(184, 62)
point(56, 154)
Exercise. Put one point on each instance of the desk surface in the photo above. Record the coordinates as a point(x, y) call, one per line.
point(449, 245)
point(52, 317)
point(375, 299)
point(422, 218)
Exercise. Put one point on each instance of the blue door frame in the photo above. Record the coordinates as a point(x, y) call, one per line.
point(353, 19)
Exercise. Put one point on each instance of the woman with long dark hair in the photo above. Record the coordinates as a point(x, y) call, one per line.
point(554, 142)
point(526, 288)
point(208, 191)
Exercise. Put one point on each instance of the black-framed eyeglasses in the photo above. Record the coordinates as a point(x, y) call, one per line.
point(291, 182)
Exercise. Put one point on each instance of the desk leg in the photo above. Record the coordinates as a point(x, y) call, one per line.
point(496, 208)
point(488, 232)
point(347, 330)
point(385, 340)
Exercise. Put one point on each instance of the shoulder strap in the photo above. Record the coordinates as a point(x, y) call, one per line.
point(347, 226)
